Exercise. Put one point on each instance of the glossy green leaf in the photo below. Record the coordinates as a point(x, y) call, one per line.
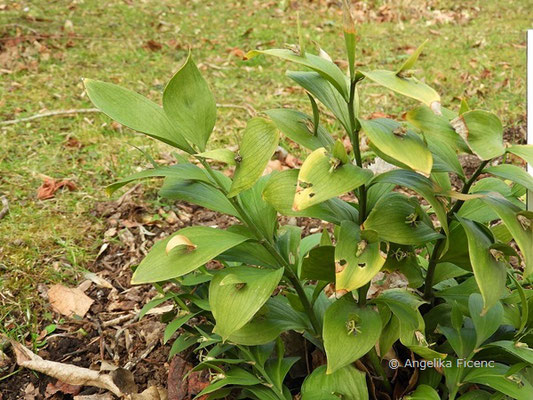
point(494, 377)
point(198, 193)
point(524, 151)
point(136, 112)
point(178, 171)
point(222, 155)
point(485, 323)
point(403, 304)
point(326, 94)
point(319, 264)
point(190, 105)
point(423, 392)
point(358, 257)
point(318, 180)
point(397, 220)
point(236, 294)
point(482, 131)
point(260, 140)
point(298, 127)
point(512, 173)
point(410, 87)
point(348, 382)
point(392, 139)
point(349, 333)
point(280, 191)
point(517, 349)
point(489, 272)
point(324, 67)
point(158, 265)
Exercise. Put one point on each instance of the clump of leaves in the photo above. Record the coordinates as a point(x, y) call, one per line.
point(466, 254)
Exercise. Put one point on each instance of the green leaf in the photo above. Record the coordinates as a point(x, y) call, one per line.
point(524, 151)
point(326, 94)
point(410, 87)
point(476, 395)
point(260, 140)
point(159, 266)
point(190, 105)
point(177, 323)
point(298, 127)
point(349, 333)
point(395, 141)
point(403, 304)
point(494, 377)
point(325, 68)
point(179, 171)
point(413, 58)
point(261, 212)
point(482, 131)
point(281, 188)
point(234, 376)
point(487, 323)
point(490, 273)
point(136, 112)
point(436, 128)
point(358, 257)
point(348, 382)
point(183, 342)
point(517, 349)
point(512, 173)
point(197, 193)
point(397, 220)
point(222, 155)
point(389, 335)
point(234, 304)
point(319, 180)
point(350, 38)
point(319, 264)
point(423, 392)
point(518, 223)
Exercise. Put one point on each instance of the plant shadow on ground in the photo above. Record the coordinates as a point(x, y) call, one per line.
point(477, 50)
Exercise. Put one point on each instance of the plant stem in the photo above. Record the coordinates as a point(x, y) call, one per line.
point(428, 287)
point(376, 363)
point(269, 246)
point(361, 294)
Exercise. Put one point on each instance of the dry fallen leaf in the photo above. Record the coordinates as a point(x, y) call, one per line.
point(69, 301)
point(50, 186)
point(61, 387)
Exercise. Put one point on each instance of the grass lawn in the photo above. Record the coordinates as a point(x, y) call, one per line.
point(475, 50)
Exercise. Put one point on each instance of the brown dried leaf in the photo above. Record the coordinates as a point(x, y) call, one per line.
point(50, 186)
point(69, 301)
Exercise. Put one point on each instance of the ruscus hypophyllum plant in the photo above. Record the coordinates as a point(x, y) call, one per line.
point(466, 253)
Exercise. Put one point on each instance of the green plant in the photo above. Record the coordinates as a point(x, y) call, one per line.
point(462, 319)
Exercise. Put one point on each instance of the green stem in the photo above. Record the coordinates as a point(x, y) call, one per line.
point(376, 363)
point(268, 245)
point(428, 287)
point(361, 294)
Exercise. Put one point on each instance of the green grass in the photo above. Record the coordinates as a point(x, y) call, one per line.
point(42, 242)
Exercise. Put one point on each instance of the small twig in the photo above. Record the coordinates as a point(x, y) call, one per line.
point(51, 114)
point(5, 207)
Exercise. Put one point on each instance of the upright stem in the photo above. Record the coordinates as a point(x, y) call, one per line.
point(428, 287)
point(268, 245)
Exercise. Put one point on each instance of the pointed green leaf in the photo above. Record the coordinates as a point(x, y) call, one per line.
point(413, 58)
point(179, 171)
point(397, 220)
point(326, 94)
point(234, 376)
point(223, 155)
point(261, 212)
point(512, 173)
point(350, 38)
point(464, 106)
point(392, 139)
point(233, 305)
point(410, 87)
point(489, 272)
point(280, 191)
point(487, 323)
point(348, 382)
point(260, 140)
point(159, 266)
point(298, 127)
point(482, 131)
point(319, 180)
point(517, 349)
point(349, 333)
point(524, 151)
point(136, 112)
point(358, 257)
point(326, 68)
point(403, 304)
point(177, 323)
point(516, 386)
point(190, 105)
